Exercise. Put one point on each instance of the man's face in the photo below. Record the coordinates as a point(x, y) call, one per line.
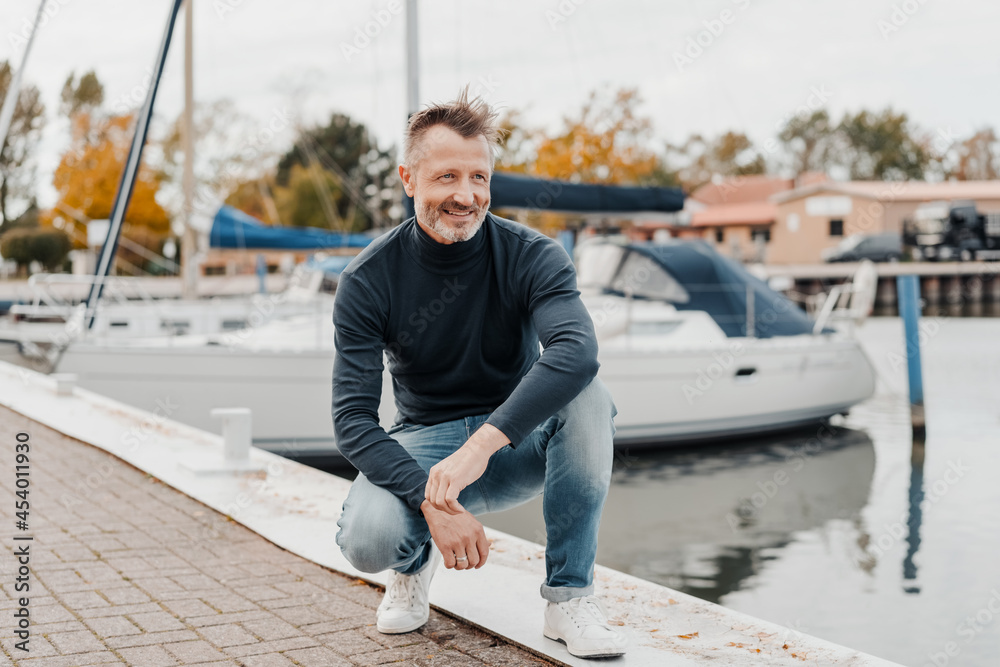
point(450, 184)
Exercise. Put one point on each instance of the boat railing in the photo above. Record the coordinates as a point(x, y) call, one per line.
point(852, 301)
point(57, 295)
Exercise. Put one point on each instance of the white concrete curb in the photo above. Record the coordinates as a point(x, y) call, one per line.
point(297, 508)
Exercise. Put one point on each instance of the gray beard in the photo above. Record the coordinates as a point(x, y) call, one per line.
point(432, 218)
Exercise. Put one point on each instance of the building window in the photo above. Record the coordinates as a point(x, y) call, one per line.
point(836, 228)
point(763, 235)
point(719, 235)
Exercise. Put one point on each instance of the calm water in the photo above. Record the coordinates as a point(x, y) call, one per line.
point(870, 542)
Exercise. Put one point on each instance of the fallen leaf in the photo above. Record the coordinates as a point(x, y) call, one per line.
point(690, 636)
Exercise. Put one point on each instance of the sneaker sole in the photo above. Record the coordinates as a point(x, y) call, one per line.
point(612, 653)
point(400, 631)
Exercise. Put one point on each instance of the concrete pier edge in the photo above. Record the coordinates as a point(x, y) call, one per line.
point(296, 507)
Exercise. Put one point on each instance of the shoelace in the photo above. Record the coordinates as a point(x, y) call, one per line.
point(586, 611)
point(399, 591)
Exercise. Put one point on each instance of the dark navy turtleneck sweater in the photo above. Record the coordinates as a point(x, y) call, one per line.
point(460, 325)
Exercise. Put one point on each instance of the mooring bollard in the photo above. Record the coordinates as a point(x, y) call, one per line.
point(65, 383)
point(908, 288)
point(236, 443)
point(236, 429)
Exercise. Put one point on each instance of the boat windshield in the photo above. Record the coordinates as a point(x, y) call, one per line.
point(640, 276)
point(609, 266)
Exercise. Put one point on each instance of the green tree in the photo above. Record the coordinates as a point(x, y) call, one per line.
point(882, 146)
point(808, 140)
point(306, 200)
point(364, 175)
point(47, 246)
point(17, 173)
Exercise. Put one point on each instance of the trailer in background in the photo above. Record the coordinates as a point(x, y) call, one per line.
point(954, 230)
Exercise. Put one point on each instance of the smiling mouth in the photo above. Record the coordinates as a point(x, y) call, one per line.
point(459, 213)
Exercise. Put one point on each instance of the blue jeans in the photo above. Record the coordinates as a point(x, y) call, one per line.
point(568, 459)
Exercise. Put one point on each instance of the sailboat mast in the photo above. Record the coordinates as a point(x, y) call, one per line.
point(412, 81)
point(10, 103)
point(189, 238)
point(412, 60)
point(129, 174)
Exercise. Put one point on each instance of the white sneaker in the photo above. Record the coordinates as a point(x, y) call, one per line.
point(582, 624)
point(405, 606)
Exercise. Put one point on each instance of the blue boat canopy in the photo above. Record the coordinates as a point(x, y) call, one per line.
point(690, 275)
point(517, 191)
point(232, 228)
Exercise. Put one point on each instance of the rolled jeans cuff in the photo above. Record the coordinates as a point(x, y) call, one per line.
point(564, 593)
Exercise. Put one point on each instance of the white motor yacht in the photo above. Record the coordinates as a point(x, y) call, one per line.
point(692, 347)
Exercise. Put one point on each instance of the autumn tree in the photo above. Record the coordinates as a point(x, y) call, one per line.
point(17, 173)
point(882, 146)
point(87, 178)
point(978, 157)
point(254, 197)
point(700, 158)
point(608, 142)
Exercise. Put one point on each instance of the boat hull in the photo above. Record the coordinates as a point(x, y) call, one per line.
point(664, 396)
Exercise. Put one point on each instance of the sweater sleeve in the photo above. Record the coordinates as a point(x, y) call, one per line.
point(547, 282)
point(359, 323)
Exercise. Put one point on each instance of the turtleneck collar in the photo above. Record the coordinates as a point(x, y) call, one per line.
point(445, 258)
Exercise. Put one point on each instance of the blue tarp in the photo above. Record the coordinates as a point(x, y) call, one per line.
point(233, 228)
point(516, 191)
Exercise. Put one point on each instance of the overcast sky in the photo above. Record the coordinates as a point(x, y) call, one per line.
point(759, 60)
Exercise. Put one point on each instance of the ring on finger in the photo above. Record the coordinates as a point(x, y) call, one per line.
point(461, 559)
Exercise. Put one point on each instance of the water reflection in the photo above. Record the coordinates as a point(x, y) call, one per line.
point(704, 520)
point(916, 497)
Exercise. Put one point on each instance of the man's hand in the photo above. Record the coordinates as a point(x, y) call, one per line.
point(452, 474)
point(457, 536)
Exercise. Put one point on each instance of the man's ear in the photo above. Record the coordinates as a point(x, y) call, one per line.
point(407, 176)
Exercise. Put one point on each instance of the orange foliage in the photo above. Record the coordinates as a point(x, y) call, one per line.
point(606, 143)
point(88, 175)
point(603, 145)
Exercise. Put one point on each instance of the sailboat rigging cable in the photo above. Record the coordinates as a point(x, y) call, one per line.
point(129, 174)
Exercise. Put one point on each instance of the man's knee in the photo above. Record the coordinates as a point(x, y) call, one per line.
point(368, 552)
point(376, 536)
point(594, 406)
point(597, 398)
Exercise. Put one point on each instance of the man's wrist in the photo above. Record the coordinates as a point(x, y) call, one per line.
point(426, 508)
point(488, 439)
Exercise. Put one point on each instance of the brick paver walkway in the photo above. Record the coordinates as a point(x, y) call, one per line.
point(126, 570)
